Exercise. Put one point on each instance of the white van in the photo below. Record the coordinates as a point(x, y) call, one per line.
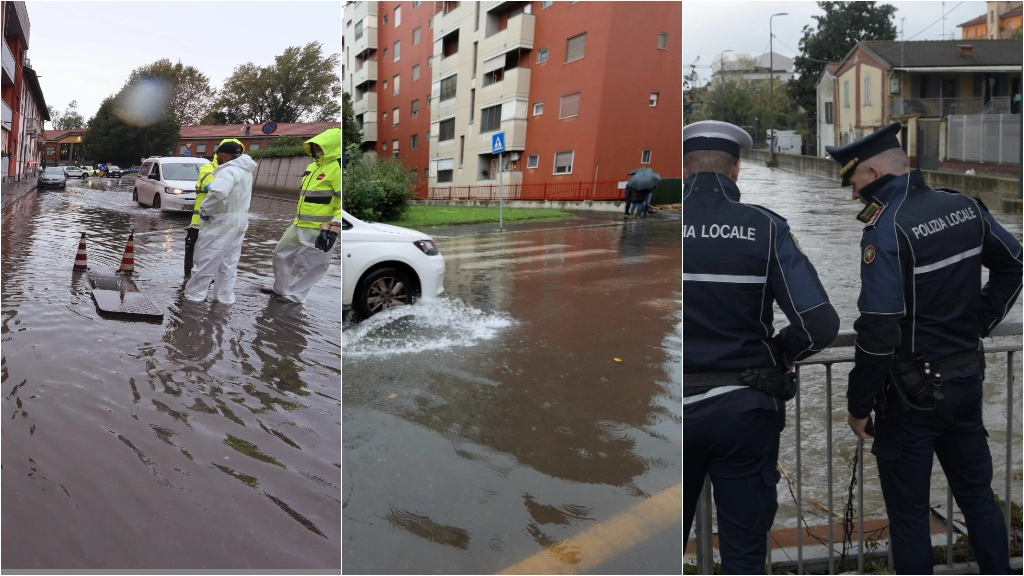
point(168, 184)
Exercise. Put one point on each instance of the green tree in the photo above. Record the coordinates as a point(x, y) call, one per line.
point(191, 96)
point(838, 30)
point(375, 189)
point(350, 133)
point(68, 119)
point(110, 139)
point(300, 86)
point(1017, 34)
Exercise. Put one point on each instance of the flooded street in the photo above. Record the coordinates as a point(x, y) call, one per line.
point(823, 218)
point(210, 440)
point(528, 408)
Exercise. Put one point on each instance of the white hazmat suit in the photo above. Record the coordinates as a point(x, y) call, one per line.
point(226, 217)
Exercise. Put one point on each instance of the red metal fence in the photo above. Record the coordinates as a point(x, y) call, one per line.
point(557, 191)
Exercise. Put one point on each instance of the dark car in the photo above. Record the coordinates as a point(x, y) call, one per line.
point(114, 171)
point(52, 176)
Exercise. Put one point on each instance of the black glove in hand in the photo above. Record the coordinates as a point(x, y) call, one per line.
point(770, 381)
point(325, 241)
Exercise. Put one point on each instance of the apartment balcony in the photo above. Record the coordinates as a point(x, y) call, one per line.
point(361, 10)
point(368, 103)
point(8, 116)
point(515, 135)
point(367, 41)
point(440, 109)
point(516, 82)
point(369, 131)
point(9, 65)
point(937, 107)
point(368, 73)
point(519, 34)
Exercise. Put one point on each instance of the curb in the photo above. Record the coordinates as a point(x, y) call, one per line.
point(451, 231)
point(15, 198)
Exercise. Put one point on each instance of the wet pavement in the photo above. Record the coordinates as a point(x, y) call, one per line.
point(210, 440)
point(533, 406)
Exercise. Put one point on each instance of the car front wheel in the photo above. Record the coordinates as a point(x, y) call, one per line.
point(382, 289)
point(156, 201)
point(135, 195)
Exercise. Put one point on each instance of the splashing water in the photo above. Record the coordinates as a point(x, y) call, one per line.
point(429, 325)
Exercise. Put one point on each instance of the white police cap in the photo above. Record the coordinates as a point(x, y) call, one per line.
point(715, 135)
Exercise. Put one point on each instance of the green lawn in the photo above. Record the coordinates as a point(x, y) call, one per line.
point(434, 216)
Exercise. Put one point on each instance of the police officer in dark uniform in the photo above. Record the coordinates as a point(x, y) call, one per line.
point(923, 311)
point(737, 260)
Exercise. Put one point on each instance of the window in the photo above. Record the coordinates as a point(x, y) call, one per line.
point(430, 61)
point(474, 52)
point(645, 157)
point(570, 106)
point(200, 148)
point(448, 86)
point(415, 72)
point(576, 47)
point(828, 112)
point(394, 117)
point(394, 148)
point(430, 24)
point(654, 99)
point(395, 81)
point(359, 29)
point(462, 143)
point(472, 103)
point(563, 162)
point(181, 149)
point(385, 18)
point(494, 76)
point(416, 4)
point(415, 109)
point(490, 119)
point(446, 130)
point(414, 141)
point(663, 41)
point(385, 84)
point(542, 55)
point(533, 161)
point(254, 147)
point(385, 116)
point(398, 51)
point(385, 52)
point(445, 169)
point(450, 44)
point(412, 176)
point(398, 16)
point(476, 19)
point(545, 4)
point(415, 36)
point(538, 108)
point(426, 136)
point(846, 93)
point(867, 91)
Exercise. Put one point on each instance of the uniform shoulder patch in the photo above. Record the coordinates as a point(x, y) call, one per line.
point(798, 246)
point(869, 254)
point(768, 211)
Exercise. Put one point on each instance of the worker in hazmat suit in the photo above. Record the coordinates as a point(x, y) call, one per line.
point(303, 254)
point(224, 214)
point(205, 176)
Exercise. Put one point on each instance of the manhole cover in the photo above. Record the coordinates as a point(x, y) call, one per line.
point(126, 305)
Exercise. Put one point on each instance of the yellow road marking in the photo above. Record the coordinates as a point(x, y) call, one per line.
point(599, 543)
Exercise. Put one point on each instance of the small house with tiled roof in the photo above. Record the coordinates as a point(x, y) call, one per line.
point(62, 147)
point(825, 88)
point(999, 22)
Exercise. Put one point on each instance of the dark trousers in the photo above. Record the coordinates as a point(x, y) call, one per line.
point(190, 246)
point(903, 446)
point(739, 452)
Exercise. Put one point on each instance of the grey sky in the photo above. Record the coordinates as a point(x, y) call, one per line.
point(710, 27)
point(85, 51)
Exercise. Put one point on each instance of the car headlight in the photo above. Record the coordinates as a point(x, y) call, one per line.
point(172, 190)
point(427, 246)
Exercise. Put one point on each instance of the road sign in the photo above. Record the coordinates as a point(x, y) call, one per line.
point(188, 152)
point(498, 143)
point(269, 128)
point(188, 145)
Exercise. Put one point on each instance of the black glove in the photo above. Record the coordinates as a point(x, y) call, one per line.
point(771, 381)
point(325, 241)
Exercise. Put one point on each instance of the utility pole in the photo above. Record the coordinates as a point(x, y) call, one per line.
point(771, 88)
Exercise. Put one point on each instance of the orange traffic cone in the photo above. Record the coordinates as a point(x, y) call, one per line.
point(128, 260)
point(80, 259)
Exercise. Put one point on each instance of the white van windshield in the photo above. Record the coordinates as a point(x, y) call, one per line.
point(181, 171)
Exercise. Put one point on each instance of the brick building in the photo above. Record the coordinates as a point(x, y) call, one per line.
point(24, 108)
point(584, 92)
point(200, 140)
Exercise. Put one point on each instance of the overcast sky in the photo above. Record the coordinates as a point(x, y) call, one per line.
point(85, 51)
point(710, 27)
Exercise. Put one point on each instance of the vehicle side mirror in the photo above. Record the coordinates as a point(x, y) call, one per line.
point(154, 176)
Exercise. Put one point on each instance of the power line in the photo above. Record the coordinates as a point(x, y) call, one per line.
point(936, 22)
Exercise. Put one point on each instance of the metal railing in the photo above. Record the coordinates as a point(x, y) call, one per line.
point(845, 339)
point(991, 138)
point(937, 106)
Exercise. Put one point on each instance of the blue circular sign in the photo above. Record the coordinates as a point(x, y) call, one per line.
point(269, 128)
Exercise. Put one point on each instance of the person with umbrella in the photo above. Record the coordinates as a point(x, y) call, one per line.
point(640, 188)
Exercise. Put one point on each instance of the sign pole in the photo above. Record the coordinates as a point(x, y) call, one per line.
point(501, 196)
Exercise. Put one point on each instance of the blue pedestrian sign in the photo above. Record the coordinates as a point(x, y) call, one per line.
point(498, 143)
point(188, 152)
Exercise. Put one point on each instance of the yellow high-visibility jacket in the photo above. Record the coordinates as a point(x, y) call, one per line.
point(205, 177)
point(320, 199)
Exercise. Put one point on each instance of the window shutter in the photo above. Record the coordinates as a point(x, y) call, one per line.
point(435, 90)
point(563, 162)
point(508, 111)
point(494, 64)
point(446, 164)
point(576, 47)
point(416, 36)
point(570, 105)
point(438, 47)
point(415, 72)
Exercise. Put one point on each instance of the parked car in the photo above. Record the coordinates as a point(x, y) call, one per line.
point(52, 176)
point(168, 183)
point(113, 171)
point(384, 266)
point(75, 172)
point(90, 170)
point(134, 169)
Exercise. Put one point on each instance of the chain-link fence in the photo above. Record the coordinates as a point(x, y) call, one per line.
point(992, 138)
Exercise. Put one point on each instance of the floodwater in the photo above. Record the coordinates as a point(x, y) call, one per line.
point(823, 218)
point(495, 423)
point(210, 440)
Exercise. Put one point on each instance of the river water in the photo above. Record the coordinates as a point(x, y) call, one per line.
point(210, 440)
point(823, 218)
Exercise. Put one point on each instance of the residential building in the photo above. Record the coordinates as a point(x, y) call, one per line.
point(825, 88)
point(63, 147)
point(941, 91)
point(744, 67)
point(200, 140)
point(24, 108)
point(999, 22)
point(583, 92)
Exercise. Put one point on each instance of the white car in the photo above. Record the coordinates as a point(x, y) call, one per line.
point(75, 172)
point(168, 184)
point(385, 266)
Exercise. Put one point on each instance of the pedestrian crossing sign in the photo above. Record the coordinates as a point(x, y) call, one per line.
point(498, 143)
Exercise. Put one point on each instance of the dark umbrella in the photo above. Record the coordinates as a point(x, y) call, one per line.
point(645, 179)
point(635, 170)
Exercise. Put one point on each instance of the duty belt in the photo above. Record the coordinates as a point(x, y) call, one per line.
point(711, 379)
point(958, 360)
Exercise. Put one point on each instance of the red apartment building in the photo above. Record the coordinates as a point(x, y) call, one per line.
point(24, 109)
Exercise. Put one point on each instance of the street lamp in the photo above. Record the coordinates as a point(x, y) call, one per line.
point(721, 79)
point(771, 84)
